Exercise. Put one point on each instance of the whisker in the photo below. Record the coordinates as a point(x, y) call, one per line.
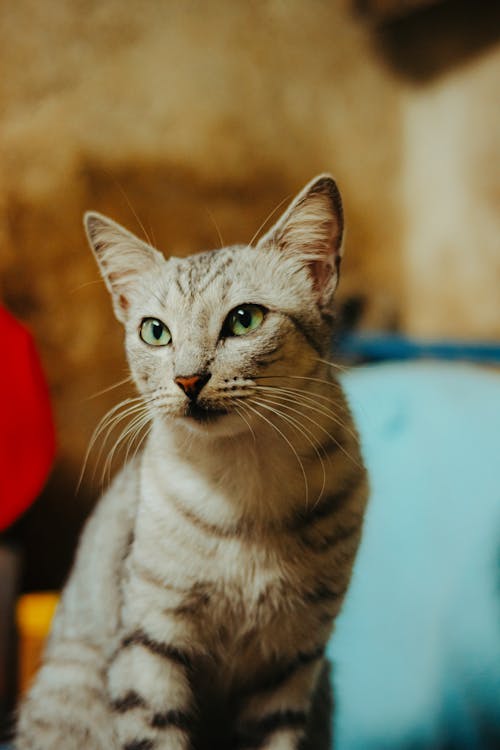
point(337, 443)
point(109, 417)
point(287, 198)
point(84, 284)
point(122, 190)
point(152, 233)
point(141, 441)
point(269, 422)
point(131, 429)
point(306, 432)
point(147, 418)
point(309, 401)
point(239, 410)
point(112, 423)
point(331, 383)
point(285, 405)
point(128, 379)
point(335, 365)
point(133, 438)
point(212, 219)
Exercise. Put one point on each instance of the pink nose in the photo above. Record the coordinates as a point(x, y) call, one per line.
point(192, 384)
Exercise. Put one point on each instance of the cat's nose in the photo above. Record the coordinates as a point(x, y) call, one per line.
point(192, 384)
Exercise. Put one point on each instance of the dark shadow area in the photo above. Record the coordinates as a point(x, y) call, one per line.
point(47, 534)
point(428, 42)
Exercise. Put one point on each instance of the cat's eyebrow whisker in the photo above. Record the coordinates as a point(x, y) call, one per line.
point(289, 443)
point(129, 203)
point(305, 431)
point(212, 219)
point(270, 216)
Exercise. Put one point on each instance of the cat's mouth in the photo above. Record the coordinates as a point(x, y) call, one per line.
point(202, 414)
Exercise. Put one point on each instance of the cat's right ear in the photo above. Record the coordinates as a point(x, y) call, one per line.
point(122, 259)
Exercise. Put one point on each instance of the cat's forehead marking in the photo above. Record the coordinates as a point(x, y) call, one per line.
point(195, 274)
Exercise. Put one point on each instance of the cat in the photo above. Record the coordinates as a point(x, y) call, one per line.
point(208, 578)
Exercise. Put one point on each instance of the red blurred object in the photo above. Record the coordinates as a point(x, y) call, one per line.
point(27, 437)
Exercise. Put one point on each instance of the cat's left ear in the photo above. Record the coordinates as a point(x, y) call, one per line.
point(123, 259)
point(311, 230)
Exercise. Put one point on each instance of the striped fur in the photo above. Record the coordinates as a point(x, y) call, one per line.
point(208, 578)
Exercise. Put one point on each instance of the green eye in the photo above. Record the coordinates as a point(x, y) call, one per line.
point(154, 332)
point(243, 319)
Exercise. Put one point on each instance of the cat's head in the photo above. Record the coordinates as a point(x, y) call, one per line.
point(202, 333)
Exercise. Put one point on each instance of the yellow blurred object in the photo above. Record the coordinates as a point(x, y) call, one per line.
point(34, 613)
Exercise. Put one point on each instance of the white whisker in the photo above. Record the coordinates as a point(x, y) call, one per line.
point(331, 383)
point(310, 400)
point(131, 429)
point(335, 365)
point(332, 438)
point(269, 422)
point(239, 409)
point(102, 424)
point(287, 198)
point(212, 219)
point(112, 424)
point(303, 430)
point(111, 387)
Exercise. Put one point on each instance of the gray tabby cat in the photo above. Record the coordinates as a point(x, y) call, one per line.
point(208, 578)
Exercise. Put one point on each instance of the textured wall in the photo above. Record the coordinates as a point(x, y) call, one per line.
point(195, 114)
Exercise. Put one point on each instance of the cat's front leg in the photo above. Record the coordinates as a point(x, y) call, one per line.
point(275, 713)
point(149, 690)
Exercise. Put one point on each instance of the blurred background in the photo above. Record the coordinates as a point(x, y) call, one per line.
point(183, 120)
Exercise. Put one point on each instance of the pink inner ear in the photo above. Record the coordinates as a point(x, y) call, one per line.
point(322, 272)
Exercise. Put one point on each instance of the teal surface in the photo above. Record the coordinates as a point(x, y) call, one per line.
point(417, 646)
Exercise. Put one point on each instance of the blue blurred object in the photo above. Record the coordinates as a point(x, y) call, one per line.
point(388, 346)
point(417, 646)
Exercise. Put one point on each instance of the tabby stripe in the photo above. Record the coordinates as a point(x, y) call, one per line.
point(215, 274)
point(129, 701)
point(139, 745)
point(286, 671)
point(255, 732)
point(312, 343)
point(209, 528)
point(329, 541)
point(323, 593)
point(176, 719)
point(331, 504)
point(328, 445)
point(166, 650)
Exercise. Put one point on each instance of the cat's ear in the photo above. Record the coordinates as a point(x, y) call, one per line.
point(122, 259)
point(311, 230)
